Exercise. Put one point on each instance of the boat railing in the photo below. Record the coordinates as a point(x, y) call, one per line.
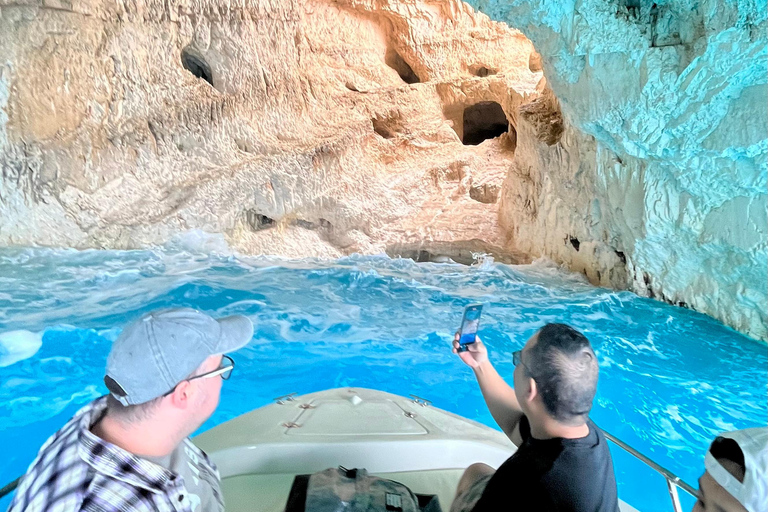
point(8, 489)
point(673, 481)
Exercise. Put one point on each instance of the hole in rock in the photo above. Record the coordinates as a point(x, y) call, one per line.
point(486, 193)
point(481, 71)
point(258, 221)
point(394, 60)
point(244, 145)
point(482, 121)
point(380, 127)
point(621, 256)
point(465, 252)
point(647, 281)
point(575, 243)
point(388, 126)
point(304, 224)
point(534, 62)
point(633, 7)
point(427, 256)
point(196, 64)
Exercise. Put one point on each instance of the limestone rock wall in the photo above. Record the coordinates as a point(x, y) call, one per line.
point(295, 127)
point(321, 127)
point(658, 181)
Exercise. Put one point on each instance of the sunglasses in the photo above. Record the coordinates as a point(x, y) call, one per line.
point(517, 358)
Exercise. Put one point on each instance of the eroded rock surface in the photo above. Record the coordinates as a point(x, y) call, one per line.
point(297, 128)
point(322, 128)
point(659, 178)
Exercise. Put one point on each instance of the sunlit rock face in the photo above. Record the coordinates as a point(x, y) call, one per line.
point(320, 128)
point(297, 128)
point(659, 177)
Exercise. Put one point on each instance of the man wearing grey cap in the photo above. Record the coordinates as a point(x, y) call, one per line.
point(130, 450)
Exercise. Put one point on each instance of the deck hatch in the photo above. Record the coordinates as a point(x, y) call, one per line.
point(343, 417)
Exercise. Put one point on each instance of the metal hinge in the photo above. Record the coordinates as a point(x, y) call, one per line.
point(290, 397)
point(420, 401)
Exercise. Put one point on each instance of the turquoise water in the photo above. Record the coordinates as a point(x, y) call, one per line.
point(670, 380)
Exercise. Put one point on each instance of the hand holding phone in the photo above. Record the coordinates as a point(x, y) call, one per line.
point(469, 326)
point(475, 354)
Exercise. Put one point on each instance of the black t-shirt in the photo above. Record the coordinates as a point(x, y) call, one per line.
point(564, 475)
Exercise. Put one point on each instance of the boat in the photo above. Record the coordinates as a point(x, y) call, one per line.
point(405, 439)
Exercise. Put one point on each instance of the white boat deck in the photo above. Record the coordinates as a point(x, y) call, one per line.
point(425, 448)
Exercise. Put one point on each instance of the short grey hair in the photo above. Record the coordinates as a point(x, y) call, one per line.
point(140, 412)
point(132, 413)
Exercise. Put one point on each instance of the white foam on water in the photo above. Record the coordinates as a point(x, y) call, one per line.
point(18, 345)
point(482, 261)
point(197, 241)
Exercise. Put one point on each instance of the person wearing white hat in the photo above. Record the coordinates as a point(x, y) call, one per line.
point(736, 473)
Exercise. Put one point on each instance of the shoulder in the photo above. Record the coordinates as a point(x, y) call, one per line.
point(106, 494)
point(93, 494)
point(599, 438)
point(594, 427)
point(197, 455)
point(58, 472)
point(53, 487)
point(64, 476)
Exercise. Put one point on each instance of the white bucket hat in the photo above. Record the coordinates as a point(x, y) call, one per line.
point(752, 493)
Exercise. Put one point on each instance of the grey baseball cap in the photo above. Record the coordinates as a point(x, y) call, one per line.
point(162, 348)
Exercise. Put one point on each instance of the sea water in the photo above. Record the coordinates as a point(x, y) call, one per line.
point(670, 379)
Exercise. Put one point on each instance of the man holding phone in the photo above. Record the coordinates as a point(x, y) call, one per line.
point(562, 461)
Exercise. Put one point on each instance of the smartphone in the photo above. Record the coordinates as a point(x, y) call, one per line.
point(469, 325)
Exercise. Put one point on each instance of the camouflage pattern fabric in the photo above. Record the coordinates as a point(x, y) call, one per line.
point(341, 490)
point(467, 500)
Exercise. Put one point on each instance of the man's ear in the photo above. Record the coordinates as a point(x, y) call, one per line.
point(532, 392)
point(181, 396)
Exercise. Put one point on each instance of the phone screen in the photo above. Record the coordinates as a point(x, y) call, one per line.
point(470, 324)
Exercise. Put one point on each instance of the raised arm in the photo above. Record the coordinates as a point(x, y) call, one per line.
point(499, 396)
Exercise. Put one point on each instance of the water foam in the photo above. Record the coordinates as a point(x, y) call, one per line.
point(372, 322)
point(18, 345)
point(197, 241)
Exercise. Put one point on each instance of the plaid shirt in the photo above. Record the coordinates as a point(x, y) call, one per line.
point(77, 471)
